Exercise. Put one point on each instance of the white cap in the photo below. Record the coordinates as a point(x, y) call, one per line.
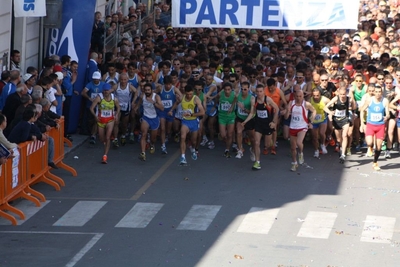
point(96, 75)
point(27, 76)
point(60, 75)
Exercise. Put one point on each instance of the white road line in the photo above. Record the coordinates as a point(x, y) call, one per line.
point(378, 229)
point(80, 213)
point(28, 208)
point(258, 221)
point(140, 215)
point(199, 217)
point(317, 224)
point(84, 250)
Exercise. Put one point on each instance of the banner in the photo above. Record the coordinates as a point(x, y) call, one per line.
point(29, 8)
point(266, 14)
point(73, 39)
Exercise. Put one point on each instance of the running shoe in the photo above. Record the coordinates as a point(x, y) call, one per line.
point(115, 143)
point(235, 147)
point(337, 149)
point(204, 141)
point(131, 139)
point(92, 140)
point(265, 151)
point(316, 154)
point(194, 155)
point(123, 141)
point(383, 146)
point(294, 167)
point(369, 152)
point(239, 154)
point(348, 151)
point(332, 142)
point(142, 156)
point(273, 150)
point(104, 159)
point(387, 154)
point(211, 145)
point(342, 159)
point(358, 148)
point(152, 149)
point(183, 161)
point(163, 150)
point(375, 166)
point(301, 158)
point(323, 149)
point(256, 166)
point(252, 155)
point(227, 154)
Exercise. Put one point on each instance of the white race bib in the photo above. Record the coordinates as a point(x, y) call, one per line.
point(167, 103)
point(93, 95)
point(225, 106)
point(359, 103)
point(263, 114)
point(242, 112)
point(106, 113)
point(340, 113)
point(123, 106)
point(376, 117)
point(295, 118)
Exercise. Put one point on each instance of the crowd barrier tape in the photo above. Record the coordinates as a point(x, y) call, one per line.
point(28, 166)
point(59, 140)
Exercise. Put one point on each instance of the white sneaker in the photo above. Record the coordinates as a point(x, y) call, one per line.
point(301, 158)
point(323, 148)
point(316, 154)
point(239, 154)
point(252, 155)
point(387, 154)
point(204, 141)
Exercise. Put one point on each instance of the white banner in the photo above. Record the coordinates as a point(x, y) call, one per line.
point(29, 8)
point(266, 14)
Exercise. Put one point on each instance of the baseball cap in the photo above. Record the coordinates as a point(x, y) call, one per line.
point(271, 40)
point(57, 68)
point(356, 38)
point(60, 75)
point(106, 86)
point(310, 43)
point(27, 76)
point(265, 50)
point(325, 50)
point(96, 75)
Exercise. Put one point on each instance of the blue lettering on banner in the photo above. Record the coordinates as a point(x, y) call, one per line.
point(250, 9)
point(228, 12)
point(207, 4)
point(186, 11)
point(268, 11)
point(29, 5)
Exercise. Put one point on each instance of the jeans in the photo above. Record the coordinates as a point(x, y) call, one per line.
point(50, 155)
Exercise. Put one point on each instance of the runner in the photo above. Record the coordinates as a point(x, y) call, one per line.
point(107, 110)
point(378, 114)
point(266, 116)
point(341, 119)
point(299, 124)
point(320, 122)
point(150, 120)
point(210, 91)
point(395, 105)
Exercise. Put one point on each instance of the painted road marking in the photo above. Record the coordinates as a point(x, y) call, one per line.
point(317, 224)
point(199, 217)
point(378, 229)
point(28, 208)
point(140, 215)
point(80, 213)
point(258, 221)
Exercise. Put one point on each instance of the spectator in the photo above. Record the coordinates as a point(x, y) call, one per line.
point(15, 59)
point(5, 78)
point(10, 87)
point(98, 31)
point(13, 101)
point(3, 139)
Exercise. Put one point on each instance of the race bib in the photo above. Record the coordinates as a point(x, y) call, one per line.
point(106, 113)
point(359, 103)
point(263, 114)
point(93, 95)
point(123, 106)
point(318, 117)
point(242, 112)
point(225, 106)
point(376, 117)
point(340, 113)
point(210, 102)
point(167, 103)
point(295, 118)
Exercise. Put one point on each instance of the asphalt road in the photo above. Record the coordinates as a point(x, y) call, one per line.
point(214, 212)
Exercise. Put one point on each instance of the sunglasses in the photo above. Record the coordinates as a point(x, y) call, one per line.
point(324, 80)
point(359, 81)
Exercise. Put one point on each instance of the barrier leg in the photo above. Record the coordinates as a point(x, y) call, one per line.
point(55, 178)
point(68, 142)
point(7, 206)
point(8, 217)
point(67, 168)
point(35, 193)
point(48, 181)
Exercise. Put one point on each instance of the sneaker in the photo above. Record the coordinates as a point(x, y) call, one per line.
point(301, 158)
point(227, 154)
point(256, 166)
point(294, 167)
point(316, 154)
point(375, 167)
point(123, 141)
point(92, 140)
point(142, 156)
point(104, 159)
point(163, 150)
point(183, 161)
point(332, 142)
point(387, 154)
point(337, 149)
point(273, 150)
point(204, 141)
point(211, 145)
point(239, 154)
point(252, 155)
point(276, 144)
point(131, 139)
point(235, 147)
point(348, 151)
point(358, 148)
point(369, 152)
point(176, 138)
point(383, 146)
point(265, 151)
point(323, 149)
point(194, 155)
point(152, 149)
point(342, 158)
point(115, 143)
